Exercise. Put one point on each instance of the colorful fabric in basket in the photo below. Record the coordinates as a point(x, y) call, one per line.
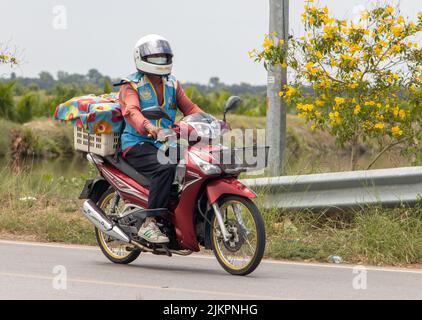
point(96, 114)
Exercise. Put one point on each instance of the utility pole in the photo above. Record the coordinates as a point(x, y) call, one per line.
point(277, 79)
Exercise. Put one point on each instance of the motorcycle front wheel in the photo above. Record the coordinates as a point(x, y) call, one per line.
point(243, 252)
point(115, 250)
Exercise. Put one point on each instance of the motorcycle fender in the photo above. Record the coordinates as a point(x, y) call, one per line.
point(94, 188)
point(216, 188)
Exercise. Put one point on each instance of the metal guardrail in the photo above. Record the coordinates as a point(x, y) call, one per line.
point(341, 190)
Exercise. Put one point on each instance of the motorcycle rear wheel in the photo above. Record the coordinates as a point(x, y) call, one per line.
point(115, 250)
point(243, 253)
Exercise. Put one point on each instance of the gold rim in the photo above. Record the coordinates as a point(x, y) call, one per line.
point(248, 245)
point(115, 248)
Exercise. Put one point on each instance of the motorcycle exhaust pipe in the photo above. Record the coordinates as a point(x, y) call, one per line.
point(100, 220)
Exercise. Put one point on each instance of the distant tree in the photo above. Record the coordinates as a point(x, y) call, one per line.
point(214, 82)
point(25, 107)
point(62, 76)
point(33, 86)
point(107, 86)
point(95, 76)
point(7, 104)
point(46, 80)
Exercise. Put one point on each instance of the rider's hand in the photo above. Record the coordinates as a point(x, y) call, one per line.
point(152, 130)
point(161, 136)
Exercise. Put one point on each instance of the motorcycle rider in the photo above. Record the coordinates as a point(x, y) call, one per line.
point(151, 85)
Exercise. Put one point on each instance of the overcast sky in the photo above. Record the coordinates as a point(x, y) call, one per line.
point(209, 38)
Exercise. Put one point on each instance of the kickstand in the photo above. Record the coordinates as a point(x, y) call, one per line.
point(167, 250)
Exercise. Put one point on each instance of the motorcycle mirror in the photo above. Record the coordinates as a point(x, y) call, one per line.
point(155, 113)
point(231, 103)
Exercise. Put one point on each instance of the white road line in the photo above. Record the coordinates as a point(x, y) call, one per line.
point(285, 263)
point(141, 286)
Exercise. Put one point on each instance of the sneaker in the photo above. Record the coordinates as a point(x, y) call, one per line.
point(152, 233)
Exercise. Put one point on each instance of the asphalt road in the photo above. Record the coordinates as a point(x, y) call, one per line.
point(36, 270)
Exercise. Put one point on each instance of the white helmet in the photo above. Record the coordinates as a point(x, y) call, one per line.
point(144, 53)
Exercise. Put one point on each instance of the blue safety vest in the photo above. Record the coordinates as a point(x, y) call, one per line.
point(148, 98)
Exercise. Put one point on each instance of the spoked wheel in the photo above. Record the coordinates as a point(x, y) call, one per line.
point(115, 250)
point(243, 252)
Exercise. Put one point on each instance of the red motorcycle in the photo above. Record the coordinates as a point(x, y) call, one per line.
point(209, 206)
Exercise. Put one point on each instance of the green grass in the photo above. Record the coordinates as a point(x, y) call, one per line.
point(371, 235)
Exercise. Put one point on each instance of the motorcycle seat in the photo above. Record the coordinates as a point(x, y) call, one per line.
point(127, 169)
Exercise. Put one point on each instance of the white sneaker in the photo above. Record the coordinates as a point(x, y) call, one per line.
point(152, 233)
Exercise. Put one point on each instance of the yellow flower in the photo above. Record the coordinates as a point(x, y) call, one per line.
point(328, 32)
point(369, 103)
point(319, 102)
point(335, 117)
point(400, 19)
point(313, 127)
point(252, 53)
point(379, 125)
point(397, 30)
point(382, 43)
point(318, 55)
point(364, 14)
point(339, 101)
point(378, 50)
point(290, 91)
point(315, 70)
point(389, 9)
point(317, 114)
point(402, 114)
point(396, 131)
point(267, 44)
point(302, 115)
point(354, 48)
point(396, 48)
point(309, 66)
point(356, 110)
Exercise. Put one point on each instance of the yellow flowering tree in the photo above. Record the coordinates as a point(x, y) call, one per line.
point(365, 77)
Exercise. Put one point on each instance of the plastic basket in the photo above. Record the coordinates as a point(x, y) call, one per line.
point(101, 144)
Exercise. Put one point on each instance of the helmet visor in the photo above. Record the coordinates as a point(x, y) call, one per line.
point(155, 47)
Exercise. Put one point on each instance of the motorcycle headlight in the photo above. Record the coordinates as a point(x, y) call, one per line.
point(205, 166)
point(206, 130)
